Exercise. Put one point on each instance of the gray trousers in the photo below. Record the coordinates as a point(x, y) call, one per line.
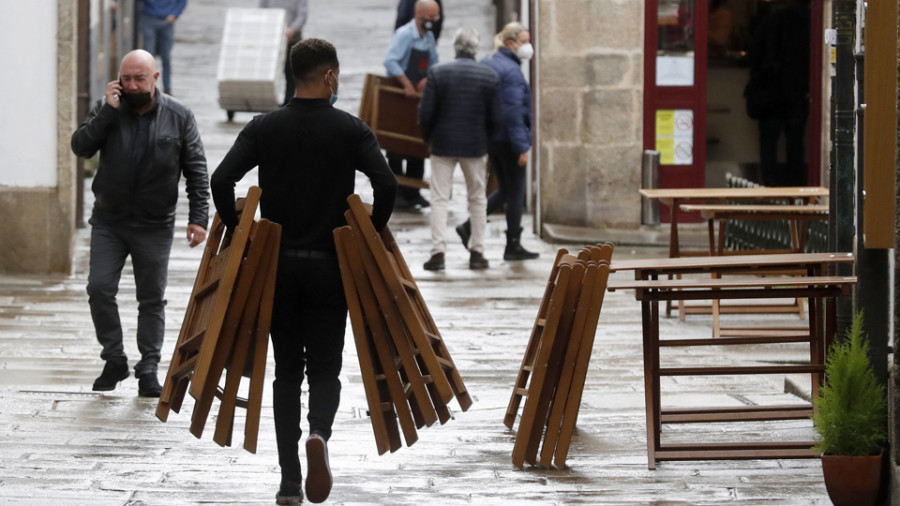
point(149, 249)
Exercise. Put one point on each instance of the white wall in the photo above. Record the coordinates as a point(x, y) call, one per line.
point(28, 118)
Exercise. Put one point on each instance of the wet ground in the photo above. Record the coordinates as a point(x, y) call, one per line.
point(61, 443)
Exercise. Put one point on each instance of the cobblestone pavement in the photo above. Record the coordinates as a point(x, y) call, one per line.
point(61, 443)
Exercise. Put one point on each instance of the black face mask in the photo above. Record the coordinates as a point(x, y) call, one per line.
point(428, 25)
point(137, 100)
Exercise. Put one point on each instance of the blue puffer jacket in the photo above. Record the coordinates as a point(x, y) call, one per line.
point(516, 97)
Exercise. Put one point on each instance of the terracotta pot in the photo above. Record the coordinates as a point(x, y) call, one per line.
point(852, 481)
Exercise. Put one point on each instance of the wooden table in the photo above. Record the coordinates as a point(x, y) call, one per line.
point(650, 290)
point(674, 197)
point(793, 213)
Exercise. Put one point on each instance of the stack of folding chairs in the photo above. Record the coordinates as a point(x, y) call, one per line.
point(226, 326)
point(557, 357)
point(407, 372)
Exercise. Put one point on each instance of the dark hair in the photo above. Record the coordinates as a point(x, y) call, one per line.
point(309, 57)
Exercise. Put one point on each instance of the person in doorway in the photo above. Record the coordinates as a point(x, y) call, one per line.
point(458, 113)
point(296, 12)
point(158, 28)
point(307, 153)
point(147, 140)
point(508, 150)
point(412, 52)
point(778, 91)
point(406, 11)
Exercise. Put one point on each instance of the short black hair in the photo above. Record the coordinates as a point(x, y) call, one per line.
point(310, 57)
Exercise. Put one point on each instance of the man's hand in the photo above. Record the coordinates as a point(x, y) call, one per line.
point(113, 93)
point(195, 234)
point(408, 89)
point(421, 86)
point(170, 18)
point(523, 159)
point(289, 33)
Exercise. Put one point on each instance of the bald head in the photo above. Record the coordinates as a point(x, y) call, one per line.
point(138, 76)
point(428, 12)
point(139, 59)
point(427, 8)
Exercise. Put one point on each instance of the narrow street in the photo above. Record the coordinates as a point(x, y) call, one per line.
point(61, 443)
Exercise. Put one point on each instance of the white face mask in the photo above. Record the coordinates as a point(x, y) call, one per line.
point(525, 51)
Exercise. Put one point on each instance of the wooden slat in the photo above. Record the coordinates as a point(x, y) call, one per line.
point(261, 337)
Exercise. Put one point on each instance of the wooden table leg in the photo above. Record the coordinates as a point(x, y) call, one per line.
point(650, 324)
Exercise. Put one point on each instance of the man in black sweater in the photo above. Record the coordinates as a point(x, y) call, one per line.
point(459, 112)
point(308, 153)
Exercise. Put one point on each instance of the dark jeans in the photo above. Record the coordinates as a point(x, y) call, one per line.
point(511, 178)
point(149, 249)
point(415, 168)
point(159, 37)
point(790, 119)
point(309, 318)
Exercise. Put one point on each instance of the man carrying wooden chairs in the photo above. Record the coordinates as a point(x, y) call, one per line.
point(307, 153)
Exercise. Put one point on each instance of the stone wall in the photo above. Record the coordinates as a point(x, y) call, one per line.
point(40, 222)
point(589, 81)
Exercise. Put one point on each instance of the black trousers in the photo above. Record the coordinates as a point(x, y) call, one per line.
point(789, 119)
point(149, 248)
point(309, 317)
point(511, 191)
point(415, 168)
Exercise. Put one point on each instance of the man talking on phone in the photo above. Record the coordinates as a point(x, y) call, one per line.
point(147, 141)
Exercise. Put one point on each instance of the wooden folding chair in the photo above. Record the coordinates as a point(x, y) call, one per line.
point(247, 292)
point(375, 380)
point(208, 304)
point(536, 402)
point(253, 324)
point(561, 422)
point(520, 389)
point(432, 352)
point(427, 408)
point(405, 390)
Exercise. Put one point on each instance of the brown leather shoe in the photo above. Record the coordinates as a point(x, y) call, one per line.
point(435, 263)
point(477, 261)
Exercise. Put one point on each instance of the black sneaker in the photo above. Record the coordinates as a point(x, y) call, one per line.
point(318, 472)
point(148, 385)
point(289, 493)
point(435, 263)
point(114, 371)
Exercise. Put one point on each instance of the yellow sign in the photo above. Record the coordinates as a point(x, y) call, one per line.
point(675, 136)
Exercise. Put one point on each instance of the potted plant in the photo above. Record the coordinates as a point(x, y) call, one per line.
point(850, 419)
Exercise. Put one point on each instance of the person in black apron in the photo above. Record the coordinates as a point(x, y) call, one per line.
point(412, 52)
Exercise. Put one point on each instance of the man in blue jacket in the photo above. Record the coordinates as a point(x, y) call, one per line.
point(158, 27)
point(458, 113)
point(412, 52)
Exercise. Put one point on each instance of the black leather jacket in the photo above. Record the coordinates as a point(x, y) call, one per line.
point(145, 195)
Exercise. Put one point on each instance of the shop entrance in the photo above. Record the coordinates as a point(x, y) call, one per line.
point(734, 86)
